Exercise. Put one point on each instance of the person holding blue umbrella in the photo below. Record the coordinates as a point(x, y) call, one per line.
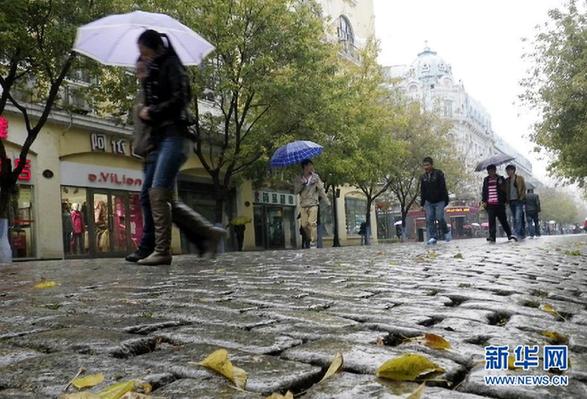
point(310, 188)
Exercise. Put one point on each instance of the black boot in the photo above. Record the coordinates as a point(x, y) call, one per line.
point(138, 255)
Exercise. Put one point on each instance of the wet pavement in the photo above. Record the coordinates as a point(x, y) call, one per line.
point(283, 316)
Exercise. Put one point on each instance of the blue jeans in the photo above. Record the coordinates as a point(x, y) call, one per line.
point(434, 212)
point(517, 208)
point(160, 169)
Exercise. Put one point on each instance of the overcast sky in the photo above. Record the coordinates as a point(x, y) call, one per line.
point(482, 40)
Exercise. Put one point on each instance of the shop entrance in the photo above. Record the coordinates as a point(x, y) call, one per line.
point(100, 223)
point(275, 227)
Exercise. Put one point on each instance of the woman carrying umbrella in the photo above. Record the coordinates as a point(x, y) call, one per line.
point(166, 97)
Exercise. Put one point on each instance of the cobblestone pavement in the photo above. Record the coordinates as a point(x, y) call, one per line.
point(283, 315)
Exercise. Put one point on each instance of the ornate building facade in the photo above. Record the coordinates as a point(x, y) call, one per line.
point(430, 81)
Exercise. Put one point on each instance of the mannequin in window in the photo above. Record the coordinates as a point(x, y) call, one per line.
point(67, 227)
point(78, 229)
point(102, 234)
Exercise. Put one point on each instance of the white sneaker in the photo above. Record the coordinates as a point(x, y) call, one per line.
point(432, 241)
point(313, 245)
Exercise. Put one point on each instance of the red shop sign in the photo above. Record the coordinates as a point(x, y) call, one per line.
point(26, 173)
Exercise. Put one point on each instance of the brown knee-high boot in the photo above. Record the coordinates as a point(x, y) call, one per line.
point(161, 200)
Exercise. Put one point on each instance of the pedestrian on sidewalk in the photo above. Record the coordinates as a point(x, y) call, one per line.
point(310, 188)
point(532, 211)
point(494, 198)
point(165, 95)
point(363, 233)
point(434, 198)
point(516, 196)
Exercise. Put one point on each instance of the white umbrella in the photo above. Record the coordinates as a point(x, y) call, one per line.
point(112, 40)
point(399, 222)
point(475, 224)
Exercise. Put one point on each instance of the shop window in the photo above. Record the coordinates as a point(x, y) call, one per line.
point(74, 217)
point(355, 210)
point(22, 228)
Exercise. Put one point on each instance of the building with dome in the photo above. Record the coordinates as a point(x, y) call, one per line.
point(430, 81)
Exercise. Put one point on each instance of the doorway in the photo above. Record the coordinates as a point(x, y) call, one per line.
point(100, 223)
point(275, 227)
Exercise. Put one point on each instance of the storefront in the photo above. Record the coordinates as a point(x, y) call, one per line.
point(275, 220)
point(101, 211)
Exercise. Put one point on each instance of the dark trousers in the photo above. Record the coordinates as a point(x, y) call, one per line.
point(497, 211)
point(533, 223)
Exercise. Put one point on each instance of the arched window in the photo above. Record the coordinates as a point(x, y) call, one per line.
point(345, 31)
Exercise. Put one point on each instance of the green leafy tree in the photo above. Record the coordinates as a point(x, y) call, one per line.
point(424, 135)
point(560, 206)
point(368, 152)
point(556, 86)
point(263, 80)
point(36, 37)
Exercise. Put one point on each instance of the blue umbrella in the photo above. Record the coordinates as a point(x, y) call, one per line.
point(294, 153)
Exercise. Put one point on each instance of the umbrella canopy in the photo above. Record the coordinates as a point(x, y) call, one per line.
point(398, 223)
point(112, 40)
point(494, 160)
point(294, 153)
point(476, 224)
point(485, 224)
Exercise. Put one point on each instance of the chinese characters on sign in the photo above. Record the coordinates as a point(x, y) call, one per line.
point(271, 198)
point(527, 357)
point(99, 142)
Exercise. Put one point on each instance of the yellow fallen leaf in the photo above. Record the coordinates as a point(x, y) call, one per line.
point(117, 391)
point(551, 310)
point(88, 381)
point(555, 337)
point(459, 256)
point(335, 366)
point(407, 367)
point(436, 342)
point(219, 362)
point(80, 395)
point(511, 363)
point(417, 394)
point(288, 395)
point(43, 284)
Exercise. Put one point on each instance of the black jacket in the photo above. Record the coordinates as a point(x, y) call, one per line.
point(167, 94)
point(533, 203)
point(433, 188)
point(501, 190)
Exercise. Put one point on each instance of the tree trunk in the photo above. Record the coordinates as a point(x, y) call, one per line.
point(404, 217)
point(336, 237)
point(368, 222)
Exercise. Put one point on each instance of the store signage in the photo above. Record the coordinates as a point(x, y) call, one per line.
point(26, 174)
point(102, 143)
point(114, 178)
point(84, 175)
point(458, 210)
point(273, 198)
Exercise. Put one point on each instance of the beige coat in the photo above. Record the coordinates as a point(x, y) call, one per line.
point(311, 192)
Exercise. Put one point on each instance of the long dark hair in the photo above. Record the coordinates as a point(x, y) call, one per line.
point(154, 40)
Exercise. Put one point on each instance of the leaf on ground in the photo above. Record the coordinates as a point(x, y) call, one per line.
point(88, 381)
point(219, 362)
point(118, 390)
point(511, 363)
point(551, 310)
point(459, 256)
point(417, 394)
point(436, 341)
point(44, 284)
point(575, 252)
point(288, 395)
point(408, 367)
point(335, 366)
point(80, 395)
point(556, 338)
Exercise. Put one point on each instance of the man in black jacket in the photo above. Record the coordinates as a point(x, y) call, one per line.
point(494, 198)
point(434, 198)
point(532, 211)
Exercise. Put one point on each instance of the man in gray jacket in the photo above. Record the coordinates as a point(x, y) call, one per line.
point(310, 189)
point(532, 211)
